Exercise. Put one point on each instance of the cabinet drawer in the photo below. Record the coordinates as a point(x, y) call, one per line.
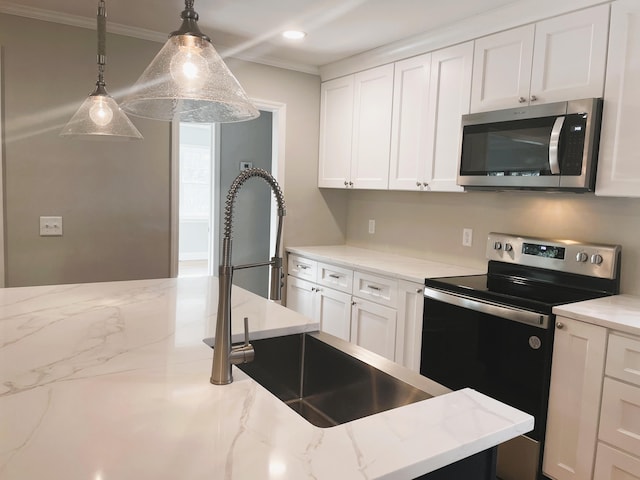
point(377, 289)
point(623, 358)
point(620, 415)
point(335, 277)
point(612, 464)
point(301, 267)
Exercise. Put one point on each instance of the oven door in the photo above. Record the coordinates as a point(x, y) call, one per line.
point(507, 359)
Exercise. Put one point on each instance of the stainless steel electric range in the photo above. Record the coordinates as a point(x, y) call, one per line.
point(494, 332)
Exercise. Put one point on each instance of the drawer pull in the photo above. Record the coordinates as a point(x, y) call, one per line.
point(303, 267)
point(373, 287)
point(333, 275)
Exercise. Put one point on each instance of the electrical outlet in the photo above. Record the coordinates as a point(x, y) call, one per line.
point(50, 226)
point(372, 226)
point(467, 237)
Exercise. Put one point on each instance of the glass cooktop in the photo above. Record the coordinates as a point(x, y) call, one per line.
point(531, 288)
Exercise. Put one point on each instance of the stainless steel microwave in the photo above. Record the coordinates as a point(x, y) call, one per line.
point(542, 147)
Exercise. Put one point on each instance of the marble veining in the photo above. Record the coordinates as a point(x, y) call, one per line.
point(111, 381)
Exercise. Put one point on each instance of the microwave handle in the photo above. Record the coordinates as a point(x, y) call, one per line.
point(554, 165)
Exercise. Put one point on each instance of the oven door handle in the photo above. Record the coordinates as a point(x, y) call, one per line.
point(510, 313)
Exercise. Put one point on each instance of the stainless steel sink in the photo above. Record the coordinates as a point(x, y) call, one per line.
point(328, 381)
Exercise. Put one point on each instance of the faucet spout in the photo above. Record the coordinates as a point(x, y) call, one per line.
point(223, 354)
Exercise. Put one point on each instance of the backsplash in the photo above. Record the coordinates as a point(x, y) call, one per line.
point(429, 225)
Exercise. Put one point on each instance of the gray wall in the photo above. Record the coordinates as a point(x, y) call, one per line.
point(429, 225)
point(248, 142)
point(113, 197)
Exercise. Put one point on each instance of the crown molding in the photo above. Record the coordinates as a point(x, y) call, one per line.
point(489, 22)
point(140, 33)
point(78, 21)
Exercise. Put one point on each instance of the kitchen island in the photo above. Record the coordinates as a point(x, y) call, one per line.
point(111, 381)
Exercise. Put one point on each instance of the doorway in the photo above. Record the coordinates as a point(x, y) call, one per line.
point(207, 158)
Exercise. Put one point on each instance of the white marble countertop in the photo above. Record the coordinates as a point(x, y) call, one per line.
point(111, 381)
point(390, 265)
point(619, 312)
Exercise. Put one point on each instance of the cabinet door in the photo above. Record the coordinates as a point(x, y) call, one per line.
point(373, 327)
point(409, 135)
point(612, 464)
point(570, 55)
point(373, 96)
point(450, 94)
point(301, 297)
point(619, 159)
point(336, 126)
point(574, 399)
point(409, 324)
point(502, 69)
point(334, 312)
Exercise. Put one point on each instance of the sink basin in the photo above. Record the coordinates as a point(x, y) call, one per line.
point(328, 381)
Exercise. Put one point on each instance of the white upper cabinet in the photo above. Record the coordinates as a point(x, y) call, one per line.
point(409, 137)
point(373, 92)
point(559, 59)
point(336, 125)
point(431, 93)
point(502, 69)
point(619, 159)
point(355, 125)
point(450, 96)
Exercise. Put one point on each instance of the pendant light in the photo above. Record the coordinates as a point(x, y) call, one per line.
point(99, 116)
point(188, 81)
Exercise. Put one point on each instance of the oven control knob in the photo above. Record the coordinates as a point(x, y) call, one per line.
point(497, 246)
point(508, 247)
point(596, 259)
point(582, 257)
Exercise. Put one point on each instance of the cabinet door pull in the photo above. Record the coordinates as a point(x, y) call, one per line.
point(522, 100)
point(420, 290)
point(559, 325)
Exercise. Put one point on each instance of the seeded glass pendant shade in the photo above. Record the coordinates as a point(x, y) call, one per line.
point(99, 116)
point(188, 81)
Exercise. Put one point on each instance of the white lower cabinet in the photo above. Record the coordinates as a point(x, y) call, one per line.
point(373, 327)
point(612, 464)
point(593, 425)
point(409, 326)
point(334, 312)
point(574, 399)
point(301, 296)
point(356, 306)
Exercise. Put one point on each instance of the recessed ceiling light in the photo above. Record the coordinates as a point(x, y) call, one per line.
point(294, 34)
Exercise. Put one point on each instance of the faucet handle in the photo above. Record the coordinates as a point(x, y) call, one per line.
point(244, 353)
point(246, 331)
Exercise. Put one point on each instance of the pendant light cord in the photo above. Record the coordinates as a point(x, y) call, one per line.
point(102, 41)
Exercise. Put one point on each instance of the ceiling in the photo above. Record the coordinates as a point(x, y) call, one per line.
point(336, 29)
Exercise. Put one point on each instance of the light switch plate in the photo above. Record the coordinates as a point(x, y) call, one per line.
point(50, 226)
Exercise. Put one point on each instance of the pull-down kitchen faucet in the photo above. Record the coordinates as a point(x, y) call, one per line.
point(223, 354)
